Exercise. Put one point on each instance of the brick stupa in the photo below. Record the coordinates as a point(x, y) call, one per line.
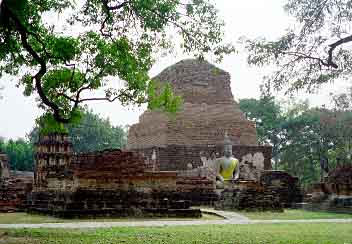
point(209, 110)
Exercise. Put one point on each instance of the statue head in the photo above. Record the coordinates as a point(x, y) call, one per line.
point(227, 146)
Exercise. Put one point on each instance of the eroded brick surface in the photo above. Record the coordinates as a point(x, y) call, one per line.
point(177, 157)
point(14, 190)
point(208, 112)
point(334, 193)
point(14, 186)
point(110, 182)
point(284, 184)
point(249, 196)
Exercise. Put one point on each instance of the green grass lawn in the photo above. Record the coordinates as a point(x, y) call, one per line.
point(25, 218)
point(326, 233)
point(296, 214)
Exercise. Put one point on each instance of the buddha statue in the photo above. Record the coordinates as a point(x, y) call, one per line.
point(227, 167)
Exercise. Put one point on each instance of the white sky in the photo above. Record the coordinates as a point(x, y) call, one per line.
point(251, 18)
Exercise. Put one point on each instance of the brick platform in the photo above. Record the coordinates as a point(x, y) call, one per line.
point(106, 183)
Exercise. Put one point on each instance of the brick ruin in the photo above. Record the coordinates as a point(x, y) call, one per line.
point(14, 187)
point(107, 183)
point(285, 185)
point(188, 139)
point(195, 134)
point(249, 196)
point(252, 158)
point(165, 169)
point(274, 191)
point(209, 111)
point(334, 193)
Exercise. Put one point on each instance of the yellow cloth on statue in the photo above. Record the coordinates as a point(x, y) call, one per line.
point(227, 173)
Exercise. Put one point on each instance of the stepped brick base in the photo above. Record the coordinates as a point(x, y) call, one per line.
point(88, 203)
point(249, 196)
point(107, 183)
point(283, 184)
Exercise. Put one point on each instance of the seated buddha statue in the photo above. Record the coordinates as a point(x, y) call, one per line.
point(227, 167)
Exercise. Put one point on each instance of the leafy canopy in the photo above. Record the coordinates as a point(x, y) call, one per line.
point(99, 41)
point(20, 153)
point(302, 136)
point(315, 51)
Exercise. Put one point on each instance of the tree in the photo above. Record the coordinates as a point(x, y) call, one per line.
point(266, 113)
point(20, 153)
point(314, 136)
point(92, 133)
point(317, 51)
point(302, 137)
point(105, 39)
point(299, 154)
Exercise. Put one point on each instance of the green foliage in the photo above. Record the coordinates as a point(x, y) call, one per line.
point(302, 136)
point(113, 40)
point(162, 96)
point(267, 114)
point(90, 133)
point(315, 52)
point(20, 153)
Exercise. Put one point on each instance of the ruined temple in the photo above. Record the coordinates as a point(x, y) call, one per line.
point(208, 112)
point(105, 183)
point(166, 167)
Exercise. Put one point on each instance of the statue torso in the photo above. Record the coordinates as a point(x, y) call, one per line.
point(227, 167)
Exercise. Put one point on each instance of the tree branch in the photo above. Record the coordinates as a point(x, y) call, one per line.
point(108, 14)
point(42, 63)
point(333, 47)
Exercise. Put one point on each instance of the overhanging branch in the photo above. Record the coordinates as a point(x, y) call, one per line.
point(41, 61)
point(333, 47)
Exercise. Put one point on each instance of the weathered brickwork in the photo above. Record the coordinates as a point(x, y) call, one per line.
point(14, 186)
point(334, 194)
point(198, 186)
point(249, 196)
point(14, 190)
point(209, 110)
point(284, 184)
point(111, 182)
point(176, 157)
point(53, 159)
